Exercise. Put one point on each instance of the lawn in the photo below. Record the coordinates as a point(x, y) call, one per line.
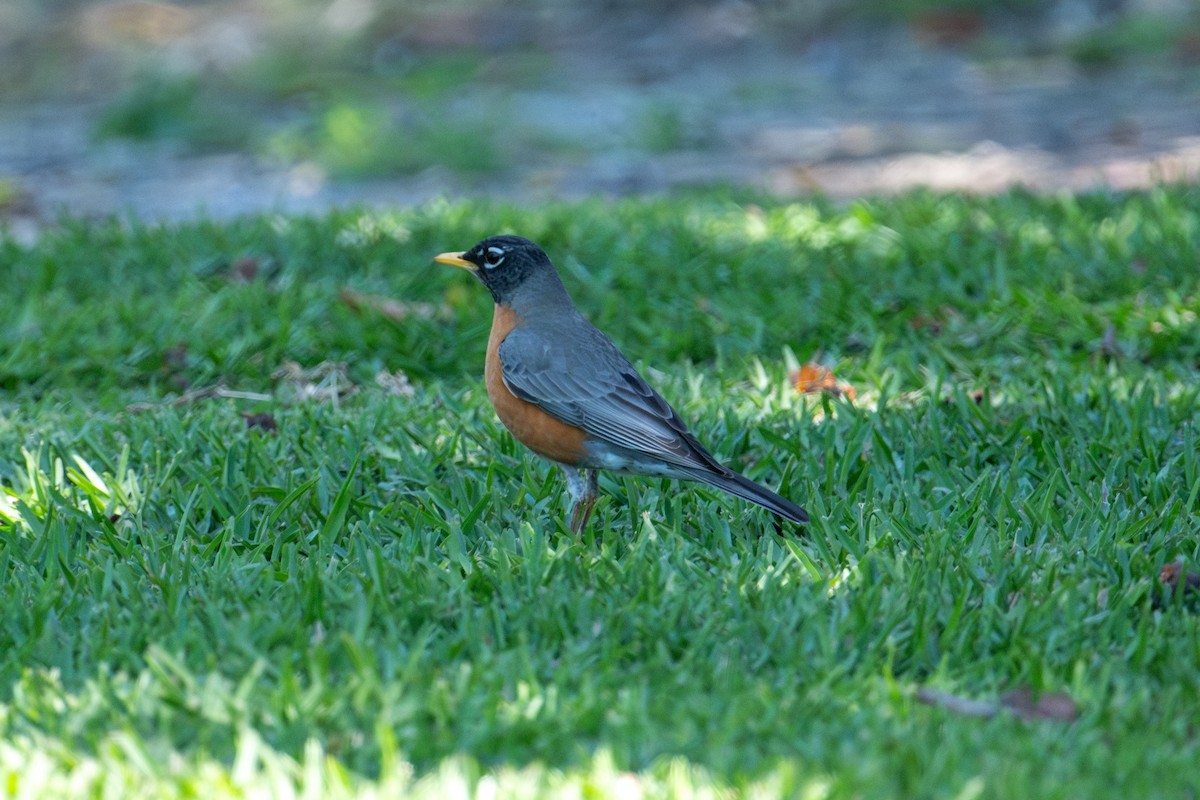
point(261, 534)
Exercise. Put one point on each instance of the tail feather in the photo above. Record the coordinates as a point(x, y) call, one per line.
point(747, 489)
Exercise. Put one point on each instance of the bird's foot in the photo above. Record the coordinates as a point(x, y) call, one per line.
point(580, 516)
point(582, 485)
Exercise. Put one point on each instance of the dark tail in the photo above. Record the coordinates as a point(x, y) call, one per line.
point(749, 490)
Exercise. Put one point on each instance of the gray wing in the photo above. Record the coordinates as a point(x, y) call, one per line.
point(581, 378)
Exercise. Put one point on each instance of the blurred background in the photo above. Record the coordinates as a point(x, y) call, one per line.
point(222, 107)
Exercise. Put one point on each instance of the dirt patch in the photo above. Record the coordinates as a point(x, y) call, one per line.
point(707, 99)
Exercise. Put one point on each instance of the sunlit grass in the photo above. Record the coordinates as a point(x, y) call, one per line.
point(47, 480)
point(379, 596)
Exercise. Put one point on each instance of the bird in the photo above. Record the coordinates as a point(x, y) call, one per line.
point(568, 393)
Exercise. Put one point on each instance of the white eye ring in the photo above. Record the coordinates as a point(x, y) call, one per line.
point(494, 257)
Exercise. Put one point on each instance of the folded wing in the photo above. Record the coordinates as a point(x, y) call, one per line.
point(584, 380)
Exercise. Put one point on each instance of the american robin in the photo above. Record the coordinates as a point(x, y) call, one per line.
point(568, 394)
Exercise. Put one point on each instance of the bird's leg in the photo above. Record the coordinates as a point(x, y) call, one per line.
point(583, 487)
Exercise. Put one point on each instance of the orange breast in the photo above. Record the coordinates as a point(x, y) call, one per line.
point(533, 427)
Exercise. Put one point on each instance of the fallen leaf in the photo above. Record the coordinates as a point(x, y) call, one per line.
point(201, 393)
point(815, 379)
point(263, 421)
point(959, 705)
point(326, 381)
point(925, 322)
point(386, 306)
point(243, 269)
point(1055, 706)
point(976, 396)
point(1177, 578)
point(175, 364)
point(396, 383)
point(175, 356)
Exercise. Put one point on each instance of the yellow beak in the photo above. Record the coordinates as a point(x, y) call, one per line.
point(455, 260)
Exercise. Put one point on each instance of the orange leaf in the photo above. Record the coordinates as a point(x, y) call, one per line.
point(814, 379)
point(1176, 577)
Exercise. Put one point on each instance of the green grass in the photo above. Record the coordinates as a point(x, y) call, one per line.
point(348, 137)
point(362, 140)
point(159, 107)
point(1144, 36)
point(382, 597)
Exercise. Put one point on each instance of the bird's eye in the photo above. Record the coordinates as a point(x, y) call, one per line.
point(493, 257)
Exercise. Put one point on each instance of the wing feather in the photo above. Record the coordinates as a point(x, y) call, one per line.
point(583, 379)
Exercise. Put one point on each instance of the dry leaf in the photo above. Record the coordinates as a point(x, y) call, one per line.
point(959, 705)
point(396, 383)
point(977, 396)
point(1055, 706)
point(174, 369)
point(1176, 577)
point(175, 357)
point(326, 381)
point(202, 393)
point(925, 322)
point(263, 421)
point(244, 269)
point(386, 306)
point(814, 379)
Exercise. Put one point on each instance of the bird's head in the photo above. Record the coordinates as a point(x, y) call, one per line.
point(503, 263)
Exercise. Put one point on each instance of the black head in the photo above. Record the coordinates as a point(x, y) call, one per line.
point(503, 263)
